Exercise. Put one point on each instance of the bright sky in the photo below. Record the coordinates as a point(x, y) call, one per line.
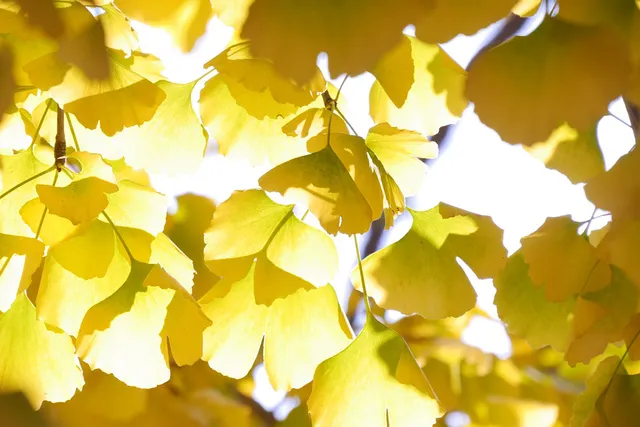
point(477, 172)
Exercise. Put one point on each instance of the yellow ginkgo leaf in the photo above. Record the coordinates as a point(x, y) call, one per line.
point(621, 247)
point(610, 398)
point(86, 196)
point(27, 340)
point(308, 319)
point(400, 152)
point(80, 272)
point(452, 17)
point(617, 189)
point(16, 170)
point(525, 310)
point(19, 259)
point(575, 154)
point(42, 14)
point(313, 121)
point(15, 128)
point(273, 235)
point(125, 99)
point(152, 145)
point(137, 206)
point(118, 33)
point(240, 134)
point(600, 318)
point(419, 273)
point(104, 400)
point(292, 34)
point(129, 333)
point(185, 20)
point(525, 88)
point(259, 75)
point(186, 227)
point(382, 379)
point(562, 261)
point(15, 411)
point(337, 183)
point(435, 96)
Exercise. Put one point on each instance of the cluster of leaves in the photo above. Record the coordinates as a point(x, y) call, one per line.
point(102, 291)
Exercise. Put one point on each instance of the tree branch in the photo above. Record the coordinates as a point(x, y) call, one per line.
point(60, 147)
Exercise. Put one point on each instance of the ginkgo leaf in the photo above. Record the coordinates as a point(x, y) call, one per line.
point(16, 411)
point(610, 398)
point(151, 146)
point(600, 318)
point(275, 237)
point(86, 196)
point(419, 273)
point(7, 81)
point(435, 96)
point(452, 17)
point(232, 12)
point(17, 169)
point(526, 8)
point(292, 34)
point(525, 310)
point(309, 320)
point(617, 189)
point(104, 399)
point(621, 248)
point(575, 154)
point(185, 20)
point(15, 127)
point(137, 206)
point(186, 227)
point(337, 183)
point(562, 261)
point(42, 14)
point(19, 259)
point(382, 379)
point(126, 99)
point(313, 121)
point(238, 133)
point(400, 152)
point(128, 333)
point(259, 75)
point(78, 273)
point(525, 88)
point(118, 33)
point(26, 341)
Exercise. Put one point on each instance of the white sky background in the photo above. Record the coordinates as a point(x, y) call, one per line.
point(477, 172)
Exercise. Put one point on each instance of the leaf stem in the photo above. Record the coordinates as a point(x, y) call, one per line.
point(115, 229)
point(364, 287)
point(343, 117)
point(60, 147)
point(73, 132)
point(304, 215)
point(26, 181)
point(37, 134)
point(46, 209)
point(593, 215)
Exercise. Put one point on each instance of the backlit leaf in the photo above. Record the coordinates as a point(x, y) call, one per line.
point(452, 17)
point(292, 34)
point(26, 340)
point(384, 384)
point(308, 319)
point(185, 20)
point(526, 88)
point(128, 333)
point(562, 261)
point(337, 183)
point(19, 259)
point(419, 273)
point(435, 89)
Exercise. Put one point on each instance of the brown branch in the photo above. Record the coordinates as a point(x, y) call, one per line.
point(60, 147)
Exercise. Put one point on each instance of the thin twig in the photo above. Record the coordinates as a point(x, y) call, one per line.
point(60, 147)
